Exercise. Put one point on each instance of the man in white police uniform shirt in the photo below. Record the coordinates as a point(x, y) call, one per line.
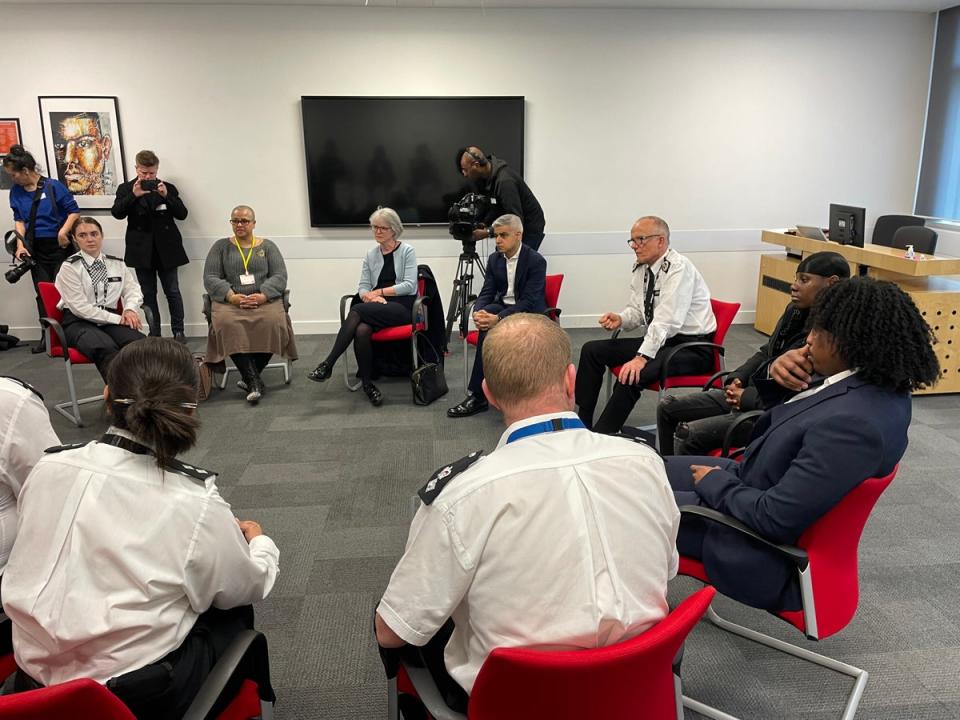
point(669, 299)
point(560, 537)
point(91, 283)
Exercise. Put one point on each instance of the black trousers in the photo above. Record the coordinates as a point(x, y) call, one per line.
point(597, 356)
point(98, 342)
point(430, 656)
point(48, 256)
point(475, 385)
point(170, 282)
point(165, 689)
point(696, 423)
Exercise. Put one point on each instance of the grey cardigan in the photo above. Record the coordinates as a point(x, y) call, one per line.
point(223, 267)
point(404, 263)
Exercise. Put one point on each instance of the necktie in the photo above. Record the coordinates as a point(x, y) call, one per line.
point(648, 296)
point(98, 276)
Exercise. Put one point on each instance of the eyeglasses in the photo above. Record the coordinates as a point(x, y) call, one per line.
point(380, 228)
point(641, 239)
point(240, 221)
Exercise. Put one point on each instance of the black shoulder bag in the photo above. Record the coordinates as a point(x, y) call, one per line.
point(427, 379)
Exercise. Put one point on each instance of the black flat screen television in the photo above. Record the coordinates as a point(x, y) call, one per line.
point(846, 224)
point(398, 152)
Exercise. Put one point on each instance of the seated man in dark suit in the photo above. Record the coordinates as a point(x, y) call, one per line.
point(870, 348)
point(696, 423)
point(516, 275)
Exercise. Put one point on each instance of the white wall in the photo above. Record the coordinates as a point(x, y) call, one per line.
point(723, 122)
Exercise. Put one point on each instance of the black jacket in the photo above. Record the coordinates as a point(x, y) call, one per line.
point(790, 333)
point(528, 287)
point(148, 225)
point(513, 196)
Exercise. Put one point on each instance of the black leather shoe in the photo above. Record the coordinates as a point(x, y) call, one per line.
point(471, 405)
point(373, 394)
point(180, 338)
point(322, 372)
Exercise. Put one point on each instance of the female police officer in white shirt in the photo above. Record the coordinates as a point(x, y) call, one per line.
point(128, 564)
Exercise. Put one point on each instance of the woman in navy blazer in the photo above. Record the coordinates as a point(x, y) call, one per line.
point(869, 347)
point(385, 297)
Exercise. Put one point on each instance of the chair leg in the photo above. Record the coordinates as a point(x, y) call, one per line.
point(266, 710)
point(393, 710)
point(859, 675)
point(73, 396)
point(286, 371)
point(466, 370)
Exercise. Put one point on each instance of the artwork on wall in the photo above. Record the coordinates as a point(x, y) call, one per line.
point(9, 136)
point(84, 146)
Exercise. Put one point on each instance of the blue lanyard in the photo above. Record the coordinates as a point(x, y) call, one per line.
point(547, 426)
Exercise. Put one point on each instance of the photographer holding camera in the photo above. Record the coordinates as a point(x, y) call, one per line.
point(508, 194)
point(44, 212)
point(154, 244)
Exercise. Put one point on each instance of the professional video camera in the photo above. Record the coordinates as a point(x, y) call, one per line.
point(466, 215)
point(24, 266)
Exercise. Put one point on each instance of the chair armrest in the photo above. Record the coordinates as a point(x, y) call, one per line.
point(665, 368)
point(429, 694)
point(147, 315)
point(58, 331)
point(553, 313)
point(343, 306)
point(797, 556)
point(249, 644)
point(720, 374)
point(207, 307)
point(616, 334)
point(286, 300)
point(728, 436)
point(418, 308)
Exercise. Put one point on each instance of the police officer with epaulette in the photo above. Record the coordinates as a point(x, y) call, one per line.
point(536, 543)
point(91, 285)
point(130, 568)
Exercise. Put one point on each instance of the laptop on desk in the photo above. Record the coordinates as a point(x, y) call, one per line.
point(813, 233)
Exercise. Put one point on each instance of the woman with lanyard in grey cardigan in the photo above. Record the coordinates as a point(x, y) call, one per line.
point(246, 277)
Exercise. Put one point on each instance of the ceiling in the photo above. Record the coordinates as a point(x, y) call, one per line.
point(902, 5)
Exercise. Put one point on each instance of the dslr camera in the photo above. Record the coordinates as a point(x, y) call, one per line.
point(466, 215)
point(24, 266)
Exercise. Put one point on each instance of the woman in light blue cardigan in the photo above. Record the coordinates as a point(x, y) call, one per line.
point(387, 290)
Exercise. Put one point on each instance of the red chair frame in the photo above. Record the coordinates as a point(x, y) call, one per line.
point(826, 561)
point(418, 324)
point(551, 295)
point(632, 679)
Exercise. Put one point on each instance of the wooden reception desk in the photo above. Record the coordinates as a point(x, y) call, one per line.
point(936, 295)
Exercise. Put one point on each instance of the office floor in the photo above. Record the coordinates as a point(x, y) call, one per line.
point(330, 478)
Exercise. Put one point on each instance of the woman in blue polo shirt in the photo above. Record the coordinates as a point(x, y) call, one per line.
point(48, 238)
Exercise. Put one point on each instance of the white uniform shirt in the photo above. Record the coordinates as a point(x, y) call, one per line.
point(510, 297)
point(25, 432)
point(832, 380)
point(681, 302)
point(89, 301)
point(559, 540)
point(115, 559)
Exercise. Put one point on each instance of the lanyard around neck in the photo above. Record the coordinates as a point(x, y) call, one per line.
point(547, 426)
point(246, 260)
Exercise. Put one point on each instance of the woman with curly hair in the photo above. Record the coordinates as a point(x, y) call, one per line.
point(867, 349)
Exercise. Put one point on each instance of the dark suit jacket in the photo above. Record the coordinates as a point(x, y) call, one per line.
point(528, 287)
point(806, 457)
point(147, 225)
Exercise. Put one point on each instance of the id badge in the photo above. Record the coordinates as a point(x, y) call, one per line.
point(247, 279)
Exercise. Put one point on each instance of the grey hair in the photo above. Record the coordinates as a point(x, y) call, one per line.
point(247, 208)
point(390, 217)
point(509, 220)
point(660, 224)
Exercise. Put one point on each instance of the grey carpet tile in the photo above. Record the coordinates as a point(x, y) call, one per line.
point(924, 711)
point(363, 542)
point(359, 574)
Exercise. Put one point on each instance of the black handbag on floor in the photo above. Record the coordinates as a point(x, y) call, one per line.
point(427, 379)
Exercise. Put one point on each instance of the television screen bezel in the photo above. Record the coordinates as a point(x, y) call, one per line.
point(859, 214)
point(516, 164)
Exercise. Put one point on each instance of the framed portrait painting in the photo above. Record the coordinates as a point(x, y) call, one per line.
point(84, 146)
point(9, 136)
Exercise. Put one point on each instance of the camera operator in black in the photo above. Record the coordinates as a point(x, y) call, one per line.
point(508, 193)
point(44, 212)
point(154, 244)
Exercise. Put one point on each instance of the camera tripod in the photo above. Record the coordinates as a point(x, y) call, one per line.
point(462, 294)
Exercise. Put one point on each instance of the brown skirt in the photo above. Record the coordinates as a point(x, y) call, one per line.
point(266, 329)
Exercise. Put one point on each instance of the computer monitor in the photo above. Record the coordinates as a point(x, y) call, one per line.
point(846, 224)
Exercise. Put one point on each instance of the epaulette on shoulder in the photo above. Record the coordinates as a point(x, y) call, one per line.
point(439, 480)
point(190, 471)
point(640, 438)
point(73, 258)
point(61, 448)
point(114, 257)
point(23, 383)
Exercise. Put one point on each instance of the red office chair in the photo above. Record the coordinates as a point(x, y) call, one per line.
point(57, 347)
point(629, 680)
point(418, 324)
point(85, 698)
point(724, 312)
point(551, 295)
point(826, 560)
